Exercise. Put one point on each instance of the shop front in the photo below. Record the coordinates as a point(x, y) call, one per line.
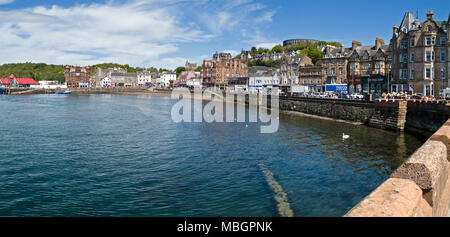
point(375, 84)
point(354, 84)
point(336, 88)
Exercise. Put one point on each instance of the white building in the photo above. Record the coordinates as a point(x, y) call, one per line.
point(144, 78)
point(263, 80)
point(194, 82)
point(166, 78)
point(49, 85)
point(105, 82)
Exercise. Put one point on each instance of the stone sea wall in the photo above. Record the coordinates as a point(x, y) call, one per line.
point(420, 187)
point(419, 117)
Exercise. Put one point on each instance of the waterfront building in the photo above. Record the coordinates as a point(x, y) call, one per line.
point(238, 85)
point(369, 68)
point(188, 74)
point(100, 73)
point(335, 63)
point(217, 71)
point(144, 78)
point(167, 79)
point(263, 80)
point(194, 82)
point(106, 82)
point(185, 76)
point(77, 77)
point(124, 79)
point(289, 70)
point(420, 55)
point(312, 77)
point(13, 81)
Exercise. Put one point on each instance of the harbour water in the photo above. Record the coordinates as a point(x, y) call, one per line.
point(116, 155)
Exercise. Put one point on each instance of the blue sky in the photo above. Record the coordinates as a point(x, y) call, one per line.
point(166, 33)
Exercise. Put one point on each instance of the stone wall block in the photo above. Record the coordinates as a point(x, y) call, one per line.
point(394, 198)
point(428, 167)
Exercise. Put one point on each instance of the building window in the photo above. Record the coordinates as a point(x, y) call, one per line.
point(427, 41)
point(412, 43)
point(442, 73)
point(404, 74)
point(341, 71)
point(427, 73)
point(412, 57)
point(433, 40)
point(443, 57)
point(405, 58)
point(411, 74)
point(403, 44)
point(443, 40)
point(428, 56)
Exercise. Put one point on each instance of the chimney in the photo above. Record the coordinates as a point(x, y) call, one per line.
point(355, 44)
point(395, 29)
point(430, 15)
point(342, 49)
point(378, 43)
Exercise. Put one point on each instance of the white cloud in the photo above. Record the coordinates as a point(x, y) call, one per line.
point(232, 52)
point(266, 45)
point(135, 32)
point(3, 2)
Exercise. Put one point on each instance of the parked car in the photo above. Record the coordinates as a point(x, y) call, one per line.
point(356, 96)
point(343, 96)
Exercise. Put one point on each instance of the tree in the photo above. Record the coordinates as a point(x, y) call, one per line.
point(179, 70)
point(277, 49)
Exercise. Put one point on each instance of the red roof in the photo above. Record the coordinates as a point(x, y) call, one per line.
point(29, 81)
point(20, 81)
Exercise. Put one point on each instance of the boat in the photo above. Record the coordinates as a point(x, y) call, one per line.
point(67, 92)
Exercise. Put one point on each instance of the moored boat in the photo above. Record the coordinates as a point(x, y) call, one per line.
point(67, 92)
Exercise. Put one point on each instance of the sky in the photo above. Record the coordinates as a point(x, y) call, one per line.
point(167, 33)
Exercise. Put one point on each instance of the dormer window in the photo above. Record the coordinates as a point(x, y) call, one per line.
point(430, 28)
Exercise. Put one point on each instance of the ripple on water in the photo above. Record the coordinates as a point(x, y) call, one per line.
point(107, 155)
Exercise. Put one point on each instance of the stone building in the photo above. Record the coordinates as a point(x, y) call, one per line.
point(217, 71)
point(289, 68)
point(369, 68)
point(312, 76)
point(124, 79)
point(99, 74)
point(420, 55)
point(77, 77)
point(335, 63)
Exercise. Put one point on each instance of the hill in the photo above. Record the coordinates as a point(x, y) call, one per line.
point(37, 71)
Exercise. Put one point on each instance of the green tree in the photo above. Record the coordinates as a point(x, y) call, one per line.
point(179, 70)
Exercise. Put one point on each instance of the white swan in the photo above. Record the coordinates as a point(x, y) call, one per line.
point(345, 136)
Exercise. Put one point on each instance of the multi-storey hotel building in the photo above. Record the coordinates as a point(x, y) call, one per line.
point(420, 54)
